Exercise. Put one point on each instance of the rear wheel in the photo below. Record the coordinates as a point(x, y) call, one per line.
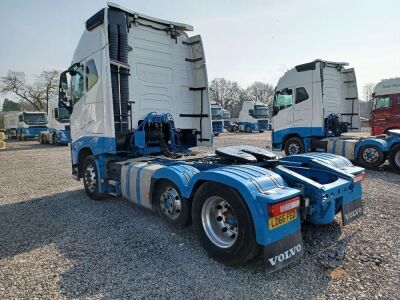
point(370, 156)
point(248, 129)
point(394, 158)
point(223, 223)
point(91, 179)
point(294, 145)
point(170, 204)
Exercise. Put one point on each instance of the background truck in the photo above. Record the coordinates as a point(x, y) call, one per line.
point(59, 131)
point(385, 112)
point(226, 115)
point(23, 125)
point(242, 201)
point(217, 117)
point(253, 117)
point(314, 104)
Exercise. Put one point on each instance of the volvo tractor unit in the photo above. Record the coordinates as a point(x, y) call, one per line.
point(24, 125)
point(217, 119)
point(253, 117)
point(59, 131)
point(385, 112)
point(315, 103)
point(137, 91)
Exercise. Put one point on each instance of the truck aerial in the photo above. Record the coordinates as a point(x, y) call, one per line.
point(314, 104)
point(385, 112)
point(253, 117)
point(138, 97)
point(23, 125)
point(59, 131)
point(217, 119)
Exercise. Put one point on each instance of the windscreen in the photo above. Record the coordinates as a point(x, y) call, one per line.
point(35, 119)
point(260, 111)
point(216, 112)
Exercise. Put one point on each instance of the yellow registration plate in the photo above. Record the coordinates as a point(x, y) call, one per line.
point(280, 220)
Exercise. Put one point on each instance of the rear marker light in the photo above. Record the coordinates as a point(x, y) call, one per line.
point(284, 206)
point(359, 177)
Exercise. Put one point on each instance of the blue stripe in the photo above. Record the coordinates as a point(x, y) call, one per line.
point(138, 198)
point(344, 149)
point(127, 186)
point(333, 147)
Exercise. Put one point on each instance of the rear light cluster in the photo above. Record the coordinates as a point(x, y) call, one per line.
point(359, 177)
point(284, 206)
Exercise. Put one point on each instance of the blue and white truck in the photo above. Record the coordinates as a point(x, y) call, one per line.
point(315, 103)
point(24, 125)
point(226, 116)
point(217, 117)
point(253, 116)
point(59, 131)
point(138, 97)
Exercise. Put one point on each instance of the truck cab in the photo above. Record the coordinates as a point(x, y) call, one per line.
point(226, 115)
point(385, 112)
point(217, 116)
point(253, 117)
point(59, 131)
point(24, 125)
point(312, 101)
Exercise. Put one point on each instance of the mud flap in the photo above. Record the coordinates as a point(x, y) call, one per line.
point(283, 252)
point(352, 211)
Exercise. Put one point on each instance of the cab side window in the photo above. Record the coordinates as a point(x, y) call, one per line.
point(77, 85)
point(284, 99)
point(91, 74)
point(301, 95)
point(20, 118)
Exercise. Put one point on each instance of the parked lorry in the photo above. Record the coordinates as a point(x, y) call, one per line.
point(217, 119)
point(138, 97)
point(59, 131)
point(226, 116)
point(253, 117)
point(385, 112)
point(315, 103)
point(23, 125)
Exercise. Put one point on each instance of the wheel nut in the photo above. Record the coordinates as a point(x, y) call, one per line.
point(219, 218)
point(224, 229)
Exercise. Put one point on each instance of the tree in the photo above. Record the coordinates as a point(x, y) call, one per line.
point(261, 92)
point(228, 94)
point(9, 105)
point(368, 89)
point(36, 94)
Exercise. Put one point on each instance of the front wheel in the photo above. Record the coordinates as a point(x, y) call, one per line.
point(91, 179)
point(394, 158)
point(223, 223)
point(370, 157)
point(294, 145)
point(172, 207)
point(248, 129)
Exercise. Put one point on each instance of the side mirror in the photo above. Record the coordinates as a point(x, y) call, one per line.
point(56, 113)
point(63, 100)
point(251, 112)
point(275, 111)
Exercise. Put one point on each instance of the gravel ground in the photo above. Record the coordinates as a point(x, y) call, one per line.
point(56, 243)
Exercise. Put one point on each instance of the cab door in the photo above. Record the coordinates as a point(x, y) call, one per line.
point(282, 113)
point(302, 109)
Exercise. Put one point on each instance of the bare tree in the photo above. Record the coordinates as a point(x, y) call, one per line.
point(261, 92)
point(37, 94)
point(228, 94)
point(368, 89)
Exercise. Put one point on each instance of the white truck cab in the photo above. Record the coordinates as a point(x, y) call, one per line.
point(314, 100)
point(23, 125)
point(59, 131)
point(253, 117)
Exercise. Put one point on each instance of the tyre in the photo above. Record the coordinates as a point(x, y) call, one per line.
point(261, 131)
point(91, 179)
point(248, 129)
point(216, 134)
point(223, 224)
point(394, 158)
point(370, 157)
point(294, 145)
point(230, 129)
point(170, 204)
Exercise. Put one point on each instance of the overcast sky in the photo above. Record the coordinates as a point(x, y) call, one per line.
point(244, 41)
